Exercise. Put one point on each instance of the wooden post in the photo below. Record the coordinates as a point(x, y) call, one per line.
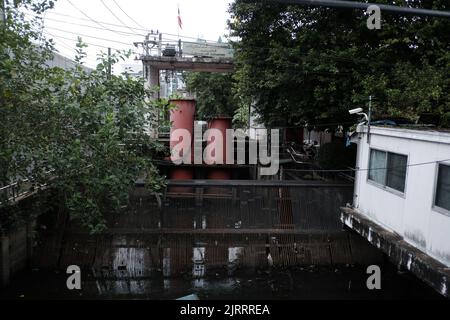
point(3, 11)
point(30, 238)
point(109, 64)
point(4, 261)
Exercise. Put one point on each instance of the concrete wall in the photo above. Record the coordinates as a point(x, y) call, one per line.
point(63, 62)
point(410, 214)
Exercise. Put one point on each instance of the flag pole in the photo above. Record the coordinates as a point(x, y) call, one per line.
point(178, 21)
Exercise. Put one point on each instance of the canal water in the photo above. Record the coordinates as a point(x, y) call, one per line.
point(216, 248)
point(298, 283)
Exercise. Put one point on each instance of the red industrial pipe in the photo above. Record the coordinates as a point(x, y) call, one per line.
point(221, 124)
point(181, 174)
point(182, 117)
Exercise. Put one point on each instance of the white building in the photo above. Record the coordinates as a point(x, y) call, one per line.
point(134, 70)
point(403, 185)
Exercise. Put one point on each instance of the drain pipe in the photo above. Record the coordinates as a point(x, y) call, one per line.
point(369, 118)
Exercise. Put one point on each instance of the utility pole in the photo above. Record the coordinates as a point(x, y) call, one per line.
point(146, 45)
point(3, 8)
point(109, 64)
point(159, 44)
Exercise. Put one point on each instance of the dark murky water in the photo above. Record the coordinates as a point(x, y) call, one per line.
point(348, 282)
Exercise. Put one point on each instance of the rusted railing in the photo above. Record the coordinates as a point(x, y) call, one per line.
point(15, 191)
point(216, 206)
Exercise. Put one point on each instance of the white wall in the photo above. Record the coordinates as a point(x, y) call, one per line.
point(411, 214)
point(63, 62)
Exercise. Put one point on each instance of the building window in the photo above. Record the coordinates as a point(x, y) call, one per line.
point(442, 199)
point(388, 169)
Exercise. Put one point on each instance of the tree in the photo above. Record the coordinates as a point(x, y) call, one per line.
point(213, 92)
point(82, 133)
point(301, 63)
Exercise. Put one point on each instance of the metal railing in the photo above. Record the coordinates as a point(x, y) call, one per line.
point(245, 206)
point(15, 191)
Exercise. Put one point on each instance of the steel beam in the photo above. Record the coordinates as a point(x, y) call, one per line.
point(360, 5)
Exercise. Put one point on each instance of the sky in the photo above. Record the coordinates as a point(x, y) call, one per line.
point(123, 23)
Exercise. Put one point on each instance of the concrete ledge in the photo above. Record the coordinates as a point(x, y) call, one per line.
point(423, 266)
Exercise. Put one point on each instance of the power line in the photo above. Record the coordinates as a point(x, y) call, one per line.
point(118, 19)
point(94, 37)
point(164, 39)
point(89, 26)
point(63, 44)
point(367, 169)
point(91, 44)
point(72, 51)
point(102, 23)
point(100, 28)
point(93, 20)
point(139, 25)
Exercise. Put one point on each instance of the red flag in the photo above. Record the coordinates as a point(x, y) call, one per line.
point(180, 23)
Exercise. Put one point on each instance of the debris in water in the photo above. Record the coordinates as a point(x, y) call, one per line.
point(189, 297)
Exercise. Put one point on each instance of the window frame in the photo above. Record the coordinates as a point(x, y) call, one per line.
point(384, 186)
point(435, 207)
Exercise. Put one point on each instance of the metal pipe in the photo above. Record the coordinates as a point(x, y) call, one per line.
point(251, 183)
point(359, 5)
point(369, 119)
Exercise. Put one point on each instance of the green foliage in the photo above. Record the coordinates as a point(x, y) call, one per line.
point(214, 93)
point(302, 63)
point(445, 121)
point(241, 115)
point(82, 132)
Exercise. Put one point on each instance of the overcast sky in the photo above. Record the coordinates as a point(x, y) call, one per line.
point(200, 18)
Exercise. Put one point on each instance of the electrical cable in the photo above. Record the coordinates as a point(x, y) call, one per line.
point(89, 43)
point(139, 25)
point(89, 26)
point(94, 37)
point(367, 169)
point(164, 39)
point(102, 23)
point(118, 19)
point(93, 20)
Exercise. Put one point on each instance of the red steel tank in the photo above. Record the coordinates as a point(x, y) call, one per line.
point(222, 124)
point(182, 117)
